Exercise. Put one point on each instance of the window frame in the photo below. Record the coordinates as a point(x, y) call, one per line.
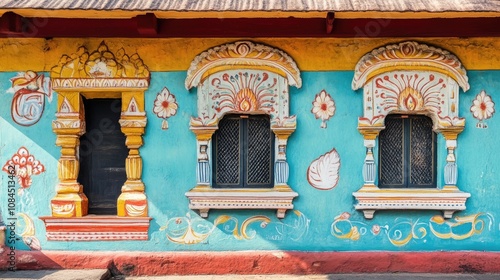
point(242, 78)
point(243, 151)
point(98, 77)
point(407, 153)
point(410, 78)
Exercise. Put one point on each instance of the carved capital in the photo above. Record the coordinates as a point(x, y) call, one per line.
point(370, 133)
point(451, 132)
point(205, 133)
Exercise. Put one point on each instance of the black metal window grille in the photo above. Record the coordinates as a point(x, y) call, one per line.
point(243, 152)
point(407, 152)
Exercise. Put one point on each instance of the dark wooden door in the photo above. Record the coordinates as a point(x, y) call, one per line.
point(102, 155)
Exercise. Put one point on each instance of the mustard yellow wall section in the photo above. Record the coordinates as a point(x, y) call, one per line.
point(176, 54)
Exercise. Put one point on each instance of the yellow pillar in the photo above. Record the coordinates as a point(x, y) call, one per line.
point(132, 201)
point(70, 201)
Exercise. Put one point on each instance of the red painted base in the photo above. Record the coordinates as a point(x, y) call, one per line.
point(260, 262)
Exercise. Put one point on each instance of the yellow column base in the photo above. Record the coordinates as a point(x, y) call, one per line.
point(132, 204)
point(69, 205)
point(282, 188)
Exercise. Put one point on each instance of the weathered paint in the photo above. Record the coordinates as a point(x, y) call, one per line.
point(323, 221)
point(172, 54)
point(269, 262)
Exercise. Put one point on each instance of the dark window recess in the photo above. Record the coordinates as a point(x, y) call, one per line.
point(407, 152)
point(243, 152)
point(102, 155)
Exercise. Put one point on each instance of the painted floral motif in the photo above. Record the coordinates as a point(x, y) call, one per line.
point(323, 173)
point(410, 92)
point(30, 89)
point(165, 106)
point(403, 231)
point(188, 231)
point(25, 166)
point(244, 92)
point(323, 107)
point(482, 108)
point(341, 223)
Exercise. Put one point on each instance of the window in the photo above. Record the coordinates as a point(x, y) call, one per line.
point(243, 149)
point(410, 93)
point(407, 154)
point(102, 155)
point(242, 128)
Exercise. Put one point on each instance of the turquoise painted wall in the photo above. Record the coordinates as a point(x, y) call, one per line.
point(169, 171)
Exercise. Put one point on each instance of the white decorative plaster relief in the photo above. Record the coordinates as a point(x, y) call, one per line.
point(410, 78)
point(242, 78)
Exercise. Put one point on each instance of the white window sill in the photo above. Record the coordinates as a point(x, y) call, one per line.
point(449, 199)
point(205, 198)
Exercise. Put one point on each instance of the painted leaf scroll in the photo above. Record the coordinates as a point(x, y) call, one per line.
point(28, 103)
point(323, 173)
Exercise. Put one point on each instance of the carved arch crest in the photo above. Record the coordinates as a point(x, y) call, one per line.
point(410, 78)
point(409, 55)
point(242, 55)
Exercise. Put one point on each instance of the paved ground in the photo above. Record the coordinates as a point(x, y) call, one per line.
point(103, 274)
point(87, 274)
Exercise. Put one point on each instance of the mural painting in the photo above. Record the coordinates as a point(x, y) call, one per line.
point(25, 165)
point(171, 214)
point(401, 231)
point(189, 230)
point(165, 106)
point(28, 103)
point(482, 108)
point(323, 107)
point(28, 231)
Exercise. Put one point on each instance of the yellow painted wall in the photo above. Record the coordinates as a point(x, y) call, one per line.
point(176, 54)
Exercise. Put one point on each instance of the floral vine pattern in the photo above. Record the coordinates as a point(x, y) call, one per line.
point(25, 166)
point(323, 173)
point(188, 231)
point(29, 89)
point(402, 232)
point(482, 108)
point(323, 107)
point(165, 106)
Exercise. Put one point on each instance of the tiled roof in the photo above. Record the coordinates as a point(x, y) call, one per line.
point(260, 5)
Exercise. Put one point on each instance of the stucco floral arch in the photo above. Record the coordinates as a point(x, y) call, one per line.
point(410, 78)
point(242, 78)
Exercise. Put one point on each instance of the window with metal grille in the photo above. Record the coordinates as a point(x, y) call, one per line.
point(243, 152)
point(407, 152)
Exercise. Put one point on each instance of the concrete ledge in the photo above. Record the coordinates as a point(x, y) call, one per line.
point(81, 274)
point(260, 262)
